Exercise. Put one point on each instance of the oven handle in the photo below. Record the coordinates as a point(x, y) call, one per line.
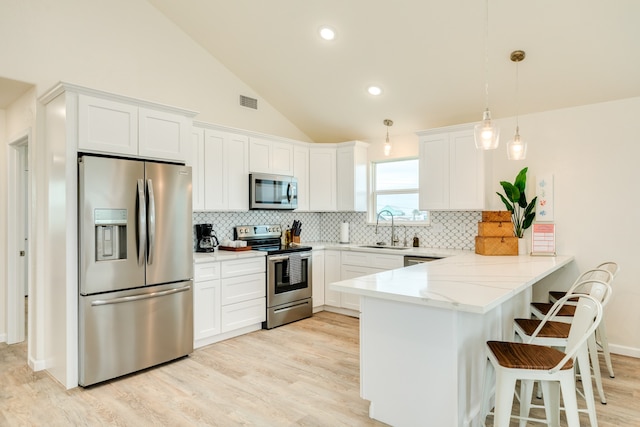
point(284, 257)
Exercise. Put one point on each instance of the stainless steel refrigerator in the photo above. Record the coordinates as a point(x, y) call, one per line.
point(135, 265)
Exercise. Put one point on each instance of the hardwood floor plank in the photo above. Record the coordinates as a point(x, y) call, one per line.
point(302, 374)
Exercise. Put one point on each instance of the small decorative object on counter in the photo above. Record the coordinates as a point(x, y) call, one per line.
point(495, 234)
point(416, 241)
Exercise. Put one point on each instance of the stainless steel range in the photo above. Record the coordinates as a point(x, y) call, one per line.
point(288, 274)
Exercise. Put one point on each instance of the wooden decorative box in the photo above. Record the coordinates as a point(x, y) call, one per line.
point(496, 216)
point(506, 245)
point(495, 229)
point(495, 234)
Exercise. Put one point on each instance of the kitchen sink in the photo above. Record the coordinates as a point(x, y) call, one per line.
point(385, 247)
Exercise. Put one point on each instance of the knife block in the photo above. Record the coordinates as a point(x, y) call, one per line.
point(295, 239)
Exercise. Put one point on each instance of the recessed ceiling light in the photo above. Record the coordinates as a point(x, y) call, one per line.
point(374, 90)
point(327, 33)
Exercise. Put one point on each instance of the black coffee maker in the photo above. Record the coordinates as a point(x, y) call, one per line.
point(206, 239)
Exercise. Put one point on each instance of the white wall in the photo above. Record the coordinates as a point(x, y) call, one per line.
point(3, 227)
point(127, 47)
point(592, 152)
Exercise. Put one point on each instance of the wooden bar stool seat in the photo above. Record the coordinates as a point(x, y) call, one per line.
point(516, 355)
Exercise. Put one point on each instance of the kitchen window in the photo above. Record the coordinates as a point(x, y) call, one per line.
point(394, 187)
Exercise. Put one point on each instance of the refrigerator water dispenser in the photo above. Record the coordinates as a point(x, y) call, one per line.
point(111, 234)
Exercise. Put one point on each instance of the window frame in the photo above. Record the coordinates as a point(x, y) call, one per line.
point(371, 205)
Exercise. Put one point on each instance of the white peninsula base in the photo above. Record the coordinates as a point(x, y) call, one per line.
point(422, 365)
point(423, 331)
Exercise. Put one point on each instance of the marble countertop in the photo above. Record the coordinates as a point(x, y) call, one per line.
point(465, 282)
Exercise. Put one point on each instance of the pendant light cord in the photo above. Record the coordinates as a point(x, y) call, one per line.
point(486, 55)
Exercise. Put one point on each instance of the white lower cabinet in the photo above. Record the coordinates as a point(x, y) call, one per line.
point(331, 274)
point(345, 265)
point(317, 277)
point(229, 299)
point(206, 302)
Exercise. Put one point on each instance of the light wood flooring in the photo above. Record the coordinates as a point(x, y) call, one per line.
point(302, 374)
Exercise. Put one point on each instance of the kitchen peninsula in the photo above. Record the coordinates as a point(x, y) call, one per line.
point(423, 331)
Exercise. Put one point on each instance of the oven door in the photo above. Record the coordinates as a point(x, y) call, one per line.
point(289, 278)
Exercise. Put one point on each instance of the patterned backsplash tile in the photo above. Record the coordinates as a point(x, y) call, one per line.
point(449, 230)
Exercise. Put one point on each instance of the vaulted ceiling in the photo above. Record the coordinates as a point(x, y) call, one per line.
point(428, 56)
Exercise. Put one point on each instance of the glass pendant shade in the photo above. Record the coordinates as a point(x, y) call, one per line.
point(517, 148)
point(486, 133)
point(387, 148)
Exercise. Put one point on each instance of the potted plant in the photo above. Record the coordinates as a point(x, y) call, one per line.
point(522, 214)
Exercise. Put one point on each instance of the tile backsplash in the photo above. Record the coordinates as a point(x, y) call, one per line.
point(448, 229)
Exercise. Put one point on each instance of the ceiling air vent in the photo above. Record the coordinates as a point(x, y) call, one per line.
point(245, 101)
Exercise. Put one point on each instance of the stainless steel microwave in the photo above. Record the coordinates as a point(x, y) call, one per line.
point(268, 191)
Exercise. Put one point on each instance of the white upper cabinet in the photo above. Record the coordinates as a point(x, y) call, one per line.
point(301, 172)
point(107, 126)
point(452, 170)
point(352, 167)
point(163, 135)
point(220, 170)
point(197, 165)
point(270, 156)
point(322, 178)
point(132, 128)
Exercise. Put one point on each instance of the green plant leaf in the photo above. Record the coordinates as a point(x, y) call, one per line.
point(506, 202)
point(521, 180)
point(511, 191)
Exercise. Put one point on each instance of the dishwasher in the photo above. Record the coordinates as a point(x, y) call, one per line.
point(414, 259)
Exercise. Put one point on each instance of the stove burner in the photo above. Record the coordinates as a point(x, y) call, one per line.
point(265, 238)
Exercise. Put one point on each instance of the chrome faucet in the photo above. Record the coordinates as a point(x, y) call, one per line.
point(393, 227)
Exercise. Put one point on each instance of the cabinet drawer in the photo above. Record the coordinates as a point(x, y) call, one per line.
point(243, 266)
point(387, 262)
point(206, 271)
point(243, 314)
point(243, 288)
point(368, 259)
point(355, 258)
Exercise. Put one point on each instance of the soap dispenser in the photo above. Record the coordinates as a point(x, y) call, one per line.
point(416, 241)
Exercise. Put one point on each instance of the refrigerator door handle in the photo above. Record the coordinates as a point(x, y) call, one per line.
point(152, 222)
point(140, 296)
point(141, 221)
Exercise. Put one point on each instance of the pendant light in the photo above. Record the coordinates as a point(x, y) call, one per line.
point(517, 148)
point(387, 144)
point(486, 133)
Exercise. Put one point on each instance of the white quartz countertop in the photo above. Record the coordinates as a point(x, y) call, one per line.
point(220, 255)
point(399, 250)
point(467, 282)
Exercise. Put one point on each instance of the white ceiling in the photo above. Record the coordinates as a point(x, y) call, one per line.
point(427, 55)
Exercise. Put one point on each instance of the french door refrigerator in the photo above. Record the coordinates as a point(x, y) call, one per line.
point(135, 265)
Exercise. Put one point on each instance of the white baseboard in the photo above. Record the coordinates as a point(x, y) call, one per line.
point(624, 351)
point(37, 365)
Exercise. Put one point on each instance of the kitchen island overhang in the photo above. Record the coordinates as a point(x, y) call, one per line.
point(423, 331)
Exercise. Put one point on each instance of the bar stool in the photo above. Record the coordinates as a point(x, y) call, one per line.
point(602, 340)
point(540, 309)
point(513, 361)
point(555, 334)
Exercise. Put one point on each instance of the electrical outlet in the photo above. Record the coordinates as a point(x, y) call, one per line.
point(437, 228)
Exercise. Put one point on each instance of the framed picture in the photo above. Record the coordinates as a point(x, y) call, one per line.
point(543, 239)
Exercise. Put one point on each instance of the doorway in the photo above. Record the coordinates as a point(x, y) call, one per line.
point(18, 213)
